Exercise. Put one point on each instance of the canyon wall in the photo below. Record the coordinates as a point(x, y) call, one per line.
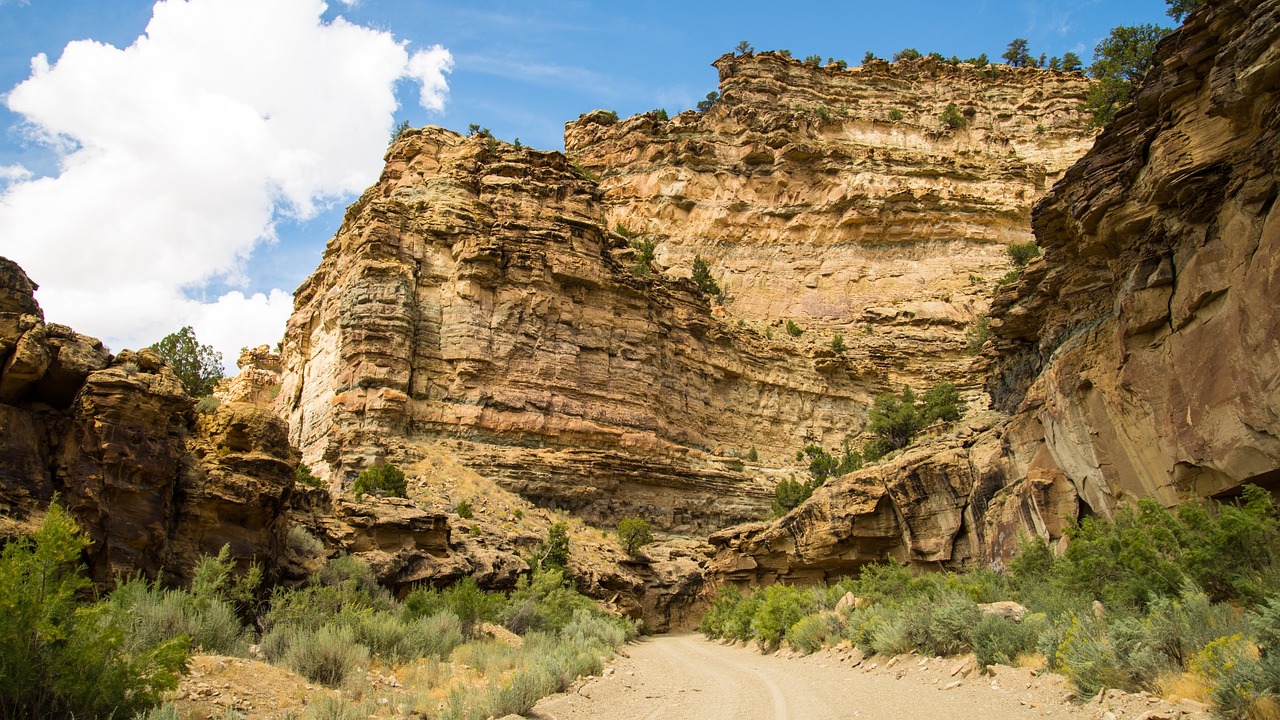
point(1138, 357)
point(841, 200)
point(485, 296)
point(474, 296)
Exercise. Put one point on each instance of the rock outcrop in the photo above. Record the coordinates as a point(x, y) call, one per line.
point(1141, 354)
point(474, 295)
point(152, 483)
point(841, 199)
point(1138, 357)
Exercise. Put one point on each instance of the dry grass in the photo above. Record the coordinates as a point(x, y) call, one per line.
point(1035, 661)
point(1175, 686)
point(1264, 709)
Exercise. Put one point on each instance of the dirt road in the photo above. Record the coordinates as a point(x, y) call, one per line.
point(687, 676)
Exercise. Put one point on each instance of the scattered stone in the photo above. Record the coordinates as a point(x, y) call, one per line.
point(1006, 609)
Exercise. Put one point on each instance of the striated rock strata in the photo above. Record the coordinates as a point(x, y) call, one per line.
point(841, 200)
point(473, 294)
point(1139, 357)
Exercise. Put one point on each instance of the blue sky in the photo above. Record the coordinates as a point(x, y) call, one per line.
point(521, 69)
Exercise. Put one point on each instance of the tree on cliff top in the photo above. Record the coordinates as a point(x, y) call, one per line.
point(199, 367)
point(1017, 54)
point(1180, 9)
point(1120, 62)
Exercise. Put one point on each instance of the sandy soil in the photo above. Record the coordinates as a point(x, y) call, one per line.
point(688, 676)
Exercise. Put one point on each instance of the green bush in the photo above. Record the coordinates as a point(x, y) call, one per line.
point(152, 616)
point(400, 638)
point(554, 553)
point(381, 480)
point(977, 334)
point(645, 252)
point(463, 509)
point(1021, 253)
point(634, 533)
point(952, 118)
point(464, 599)
point(301, 541)
point(343, 585)
point(207, 405)
point(895, 114)
point(779, 607)
point(824, 465)
point(793, 329)
point(997, 640)
point(543, 601)
point(837, 344)
point(62, 659)
point(198, 367)
point(788, 495)
point(702, 277)
point(715, 623)
point(1121, 61)
point(398, 131)
point(327, 655)
point(950, 625)
point(812, 632)
point(302, 475)
point(895, 420)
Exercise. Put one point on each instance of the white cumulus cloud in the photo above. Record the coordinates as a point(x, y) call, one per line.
point(179, 153)
point(13, 173)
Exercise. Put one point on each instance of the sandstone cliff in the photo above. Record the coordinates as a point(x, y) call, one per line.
point(1142, 355)
point(1138, 357)
point(156, 485)
point(473, 295)
point(476, 294)
point(152, 484)
point(841, 200)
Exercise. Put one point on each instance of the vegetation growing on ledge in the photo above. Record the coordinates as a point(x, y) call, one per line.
point(790, 493)
point(952, 118)
point(302, 474)
point(645, 252)
point(634, 533)
point(382, 480)
point(198, 367)
point(1022, 253)
point(895, 420)
point(702, 277)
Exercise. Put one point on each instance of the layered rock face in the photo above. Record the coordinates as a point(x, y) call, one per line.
point(156, 485)
point(1139, 356)
point(1142, 355)
point(152, 485)
point(841, 200)
point(474, 295)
